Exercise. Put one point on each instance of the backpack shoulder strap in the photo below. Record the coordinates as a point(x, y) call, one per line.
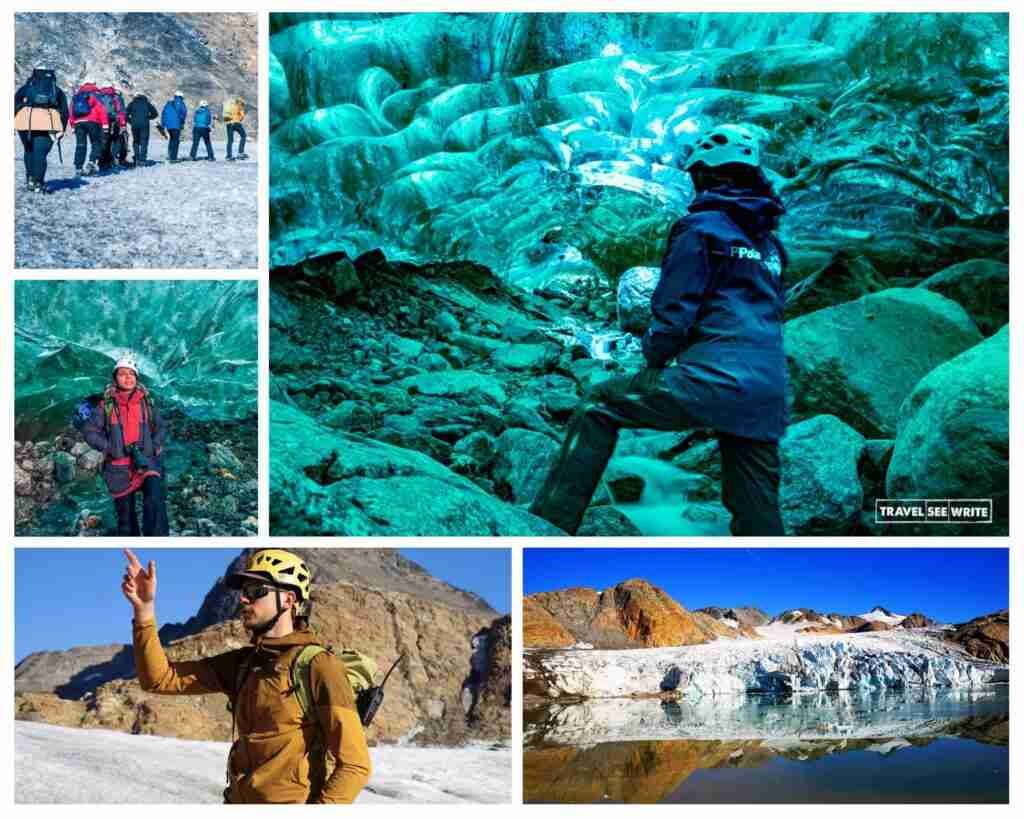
point(300, 679)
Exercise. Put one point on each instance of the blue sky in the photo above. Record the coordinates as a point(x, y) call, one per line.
point(951, 585)
point(72, 597)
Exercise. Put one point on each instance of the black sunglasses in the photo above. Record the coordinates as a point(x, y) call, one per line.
point(254, 591)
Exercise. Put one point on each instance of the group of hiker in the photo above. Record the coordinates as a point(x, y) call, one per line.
point(102, 123)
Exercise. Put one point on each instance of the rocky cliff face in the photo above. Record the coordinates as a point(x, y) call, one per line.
point(205, 56)
point(453, 685)
point(632, 614)
point(987, 637)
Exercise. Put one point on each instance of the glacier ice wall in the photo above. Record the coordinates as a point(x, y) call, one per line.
point(196, 342)
point(860, 663)
point(526, 141)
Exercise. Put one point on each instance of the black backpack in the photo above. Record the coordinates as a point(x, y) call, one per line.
point(41, 90)
point(81, 104)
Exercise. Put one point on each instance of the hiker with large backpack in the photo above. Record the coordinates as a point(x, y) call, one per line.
point(234, 113)
point(90, 121)
point(292, 701)
point(173, 119)
point(126, 427)
point(40, 112)
point(140, 111)
point(202, 121)
point(112, 136)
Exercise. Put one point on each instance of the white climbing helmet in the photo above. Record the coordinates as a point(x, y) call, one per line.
point(128, 362)
point(724, 144)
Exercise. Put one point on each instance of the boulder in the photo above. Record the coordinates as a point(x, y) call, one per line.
point(859, 360)
point(521, 463)
point(222, 457)
point(625, 484)
point(352, 416)
point(953, 438)
point(464, 386)
point(820, 492)
point(633, 298)
point(607, 521)
point(64, 467)
point(335, 483)
point(980, 286)
point(90, 461)
point(527, 357)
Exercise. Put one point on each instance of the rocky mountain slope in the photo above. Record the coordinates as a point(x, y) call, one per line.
point(498, 176)
point(631, 614)
point(205, 56)
point(987, 637)
point(454, 684)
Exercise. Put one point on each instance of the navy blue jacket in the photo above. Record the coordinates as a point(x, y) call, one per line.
point(718, 312)
point(174, 114)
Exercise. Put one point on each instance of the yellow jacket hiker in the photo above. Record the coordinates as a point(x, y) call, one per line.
point(278, 756)
point(233, 110)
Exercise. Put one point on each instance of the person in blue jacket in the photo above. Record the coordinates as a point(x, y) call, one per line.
point(173, 119)
point(717, 311)
point(202, 121)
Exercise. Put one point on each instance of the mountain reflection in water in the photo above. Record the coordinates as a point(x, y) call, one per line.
point(928, 753)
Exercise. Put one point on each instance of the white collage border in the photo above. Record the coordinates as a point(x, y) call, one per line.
point(263, 8)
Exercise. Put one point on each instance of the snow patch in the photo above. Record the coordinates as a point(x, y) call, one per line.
point(54, 764)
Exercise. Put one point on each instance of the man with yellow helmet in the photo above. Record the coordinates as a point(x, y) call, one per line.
point(279, 754)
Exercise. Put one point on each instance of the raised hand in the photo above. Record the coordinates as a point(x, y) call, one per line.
point(139, 585)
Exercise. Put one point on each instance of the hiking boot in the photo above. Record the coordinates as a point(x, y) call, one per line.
point(243, 156)
point(229, 159)
point(90, 168)
point(79, 172)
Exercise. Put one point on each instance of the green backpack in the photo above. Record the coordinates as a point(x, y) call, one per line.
point(359, 669)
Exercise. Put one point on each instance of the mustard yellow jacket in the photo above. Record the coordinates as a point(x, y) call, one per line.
point(270, 761)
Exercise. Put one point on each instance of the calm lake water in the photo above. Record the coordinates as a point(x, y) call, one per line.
point(960, 756)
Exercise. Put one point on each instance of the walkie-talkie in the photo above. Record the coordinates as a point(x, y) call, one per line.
point(369, 700)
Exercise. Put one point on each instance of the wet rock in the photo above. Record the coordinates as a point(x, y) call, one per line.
point(446, 323)
point(606, 521)
point(406, 347)
point(352, 416)
point(953, 436)
point(473, 387)
point(432, 362)
point(522, 412)
point(221, 456)
point(625, 484)
point(636, 287)
point(527, 357)
point(859, 360)
point(473, 453)
point(337, 483)
point(820, 492)
point(980, 286)
point(703, 458)
point(521, 463)
point(561, 405)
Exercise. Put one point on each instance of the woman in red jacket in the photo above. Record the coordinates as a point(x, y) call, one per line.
point(127, 429)
point(91, 123)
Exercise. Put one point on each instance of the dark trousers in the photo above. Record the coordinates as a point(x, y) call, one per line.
point(88, 137)
point(750, 469)
point(37, 145)
point(173, 140)
point(140, 144)
point(232, 128)
point(115, 148)
point(154, 511)
point(204, 135)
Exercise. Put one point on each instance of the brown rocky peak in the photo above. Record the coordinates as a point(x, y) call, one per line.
point(986, 637)
point(632, 614)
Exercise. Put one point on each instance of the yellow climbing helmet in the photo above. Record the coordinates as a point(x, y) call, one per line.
point(280, 568)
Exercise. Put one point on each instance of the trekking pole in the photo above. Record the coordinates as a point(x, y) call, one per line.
point(60, 154)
